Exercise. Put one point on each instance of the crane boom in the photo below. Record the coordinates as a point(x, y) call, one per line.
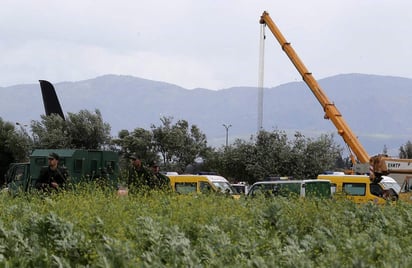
point(331, 112)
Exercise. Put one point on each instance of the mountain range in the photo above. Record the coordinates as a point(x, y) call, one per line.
point(377, 108)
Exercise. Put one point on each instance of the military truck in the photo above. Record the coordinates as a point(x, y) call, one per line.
point(81, 165)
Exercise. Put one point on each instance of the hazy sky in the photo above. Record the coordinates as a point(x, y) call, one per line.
point(210, 44)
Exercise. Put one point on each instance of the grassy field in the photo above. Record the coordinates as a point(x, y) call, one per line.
point(93, 227)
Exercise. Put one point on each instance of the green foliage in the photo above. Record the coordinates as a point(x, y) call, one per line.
point(183, 147)
point(405, 151)
point(15, 142)
point(139, 141)
point(274, 154)
point(179, 144)
point(101, 229)
point(83, 130)
point(87, 130)
point(50, 132)
point(236, 161)
point(15, 145)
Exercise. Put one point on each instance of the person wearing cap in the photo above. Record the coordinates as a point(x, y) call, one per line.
point(139, 176)
point(158, 181)
point(52, 176)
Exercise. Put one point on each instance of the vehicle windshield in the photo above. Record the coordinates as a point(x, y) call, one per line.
point(224, 187)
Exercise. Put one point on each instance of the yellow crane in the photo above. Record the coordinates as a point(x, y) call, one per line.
point(376, 165)
point(358, 153)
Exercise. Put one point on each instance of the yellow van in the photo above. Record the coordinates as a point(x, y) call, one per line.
point(185, 184)
point(360, 189)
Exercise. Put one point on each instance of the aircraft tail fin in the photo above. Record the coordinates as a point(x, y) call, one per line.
point(50, 100)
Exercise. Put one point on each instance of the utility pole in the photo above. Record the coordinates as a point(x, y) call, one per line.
point(261, 77)
point(227, 132)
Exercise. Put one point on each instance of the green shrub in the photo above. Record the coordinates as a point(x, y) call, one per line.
point(91, 226)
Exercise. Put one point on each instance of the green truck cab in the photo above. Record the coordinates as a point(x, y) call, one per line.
point(81, 165)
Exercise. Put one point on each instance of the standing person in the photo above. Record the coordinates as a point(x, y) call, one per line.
point(52, 177)
point(158, 180)
point(138, 175)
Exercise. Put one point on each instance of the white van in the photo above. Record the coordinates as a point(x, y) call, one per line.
point(302, 188)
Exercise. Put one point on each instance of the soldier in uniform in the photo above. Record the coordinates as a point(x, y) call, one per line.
point(138, 176)
point(158, 180)
point(52, 177)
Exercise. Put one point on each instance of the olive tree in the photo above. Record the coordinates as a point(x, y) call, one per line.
point(179, 144)
point(274, 154)
point(82, 130)
point(139, 141)
point(176, 145)
point(88, 130)
point(50, 132)
point(235, 162)
point(15, 145)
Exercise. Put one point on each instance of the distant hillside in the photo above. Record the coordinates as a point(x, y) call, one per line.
point(377, 108)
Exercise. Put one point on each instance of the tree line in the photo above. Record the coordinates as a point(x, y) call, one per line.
point(180, 147)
